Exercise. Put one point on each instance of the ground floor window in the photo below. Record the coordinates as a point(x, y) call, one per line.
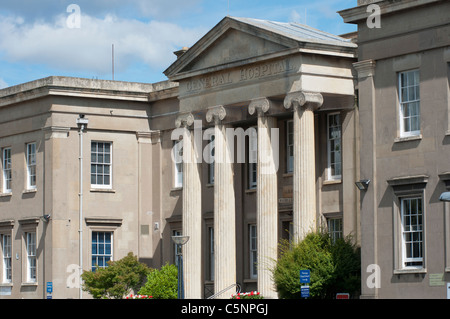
point(101, 249)
point(31, 256)
point(412, 232)
point(253, 252)
point(335, 228)
point(7, 259)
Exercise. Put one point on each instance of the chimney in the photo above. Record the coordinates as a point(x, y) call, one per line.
point(179, 53)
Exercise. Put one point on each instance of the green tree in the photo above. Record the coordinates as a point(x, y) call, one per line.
point(117, 280)
point(162, 284)
point(334, 267)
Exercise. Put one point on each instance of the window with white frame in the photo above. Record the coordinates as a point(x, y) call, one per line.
point(253, 251)
point(289, 146)
point(31, 165)
point(7, 258)
point(101, 164)
point(252, 158)
point(6, 168)
point(409, 97)
point(178, 163)
point(30, 242)
point(334, 146)
point(102, 249)
point(335, 228)
point(412, 232)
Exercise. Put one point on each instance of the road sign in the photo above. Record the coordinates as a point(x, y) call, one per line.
point(305, 276)
point(49, 287)
point(343, 296)
point(304, 291)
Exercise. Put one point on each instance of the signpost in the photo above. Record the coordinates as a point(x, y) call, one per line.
point(49, 289)
point(305, 278)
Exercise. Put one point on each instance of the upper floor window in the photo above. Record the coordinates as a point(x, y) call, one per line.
point(334, 147)
point(31, 166)
point(6, 166)
point(101, 164)
point(409, 97)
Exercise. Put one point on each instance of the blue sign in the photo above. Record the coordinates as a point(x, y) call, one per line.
point(305, 276)
point(49, 287)
point(304, 291)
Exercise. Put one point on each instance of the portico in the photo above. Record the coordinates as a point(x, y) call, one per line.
point(252, 73)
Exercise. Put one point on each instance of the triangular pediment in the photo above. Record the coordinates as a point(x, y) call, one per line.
point(235, 41)
point(234, 45)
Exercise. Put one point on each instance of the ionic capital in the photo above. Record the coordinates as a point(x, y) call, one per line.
point(184, 120)
point(309, 100)
point(216, 114)
point(260, 105)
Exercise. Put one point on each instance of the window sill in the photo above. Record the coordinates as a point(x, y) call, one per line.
point(102, 190)
point(332, 182)
point(33, 284)
point(410, 271)
point(250, 190)
point(6, 284)
point(5, 194)
point(29, 191)
point(408, 138)
point(290, 174)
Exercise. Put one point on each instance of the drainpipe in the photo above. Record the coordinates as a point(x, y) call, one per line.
point(82, 126)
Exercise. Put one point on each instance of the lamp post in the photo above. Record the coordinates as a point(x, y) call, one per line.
point(180, 241)
point(82, 124)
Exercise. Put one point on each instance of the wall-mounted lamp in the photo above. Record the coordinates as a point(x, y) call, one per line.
point(445, 197)
point(363, 184)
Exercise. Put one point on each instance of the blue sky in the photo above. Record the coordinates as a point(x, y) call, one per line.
point(39, 38)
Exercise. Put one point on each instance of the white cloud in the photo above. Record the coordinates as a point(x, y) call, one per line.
point(88, 48)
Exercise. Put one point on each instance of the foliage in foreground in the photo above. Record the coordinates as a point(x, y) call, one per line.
point(334, 267)
point(162, 284)
point(117, 280)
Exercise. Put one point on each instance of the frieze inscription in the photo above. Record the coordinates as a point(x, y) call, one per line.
point(242, 75)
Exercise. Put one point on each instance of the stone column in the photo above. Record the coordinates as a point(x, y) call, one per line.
point(304, 179)
point(192, 210)
point(267, 196)
point(224, 206)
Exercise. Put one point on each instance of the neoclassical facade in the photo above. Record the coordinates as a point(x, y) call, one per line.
point(272, 103)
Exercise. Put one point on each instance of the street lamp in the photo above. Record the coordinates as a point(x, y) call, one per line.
point(180, 241)
point(363, 184)
point(445, 197)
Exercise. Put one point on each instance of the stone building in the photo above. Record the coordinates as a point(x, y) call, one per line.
point(403, 83)
point(275, 100)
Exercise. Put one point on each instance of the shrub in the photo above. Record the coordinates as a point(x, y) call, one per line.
point(117, 280)
point(334, 267)
point(162, 284)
